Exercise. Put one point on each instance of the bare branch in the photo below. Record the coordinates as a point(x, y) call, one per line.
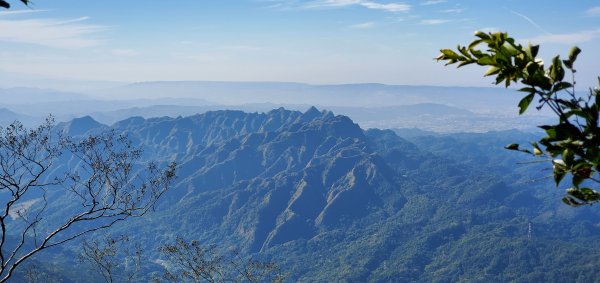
point(105, 177)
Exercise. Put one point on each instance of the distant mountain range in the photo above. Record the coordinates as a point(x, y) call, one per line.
point(476, 99)
point(330, 201)
point(7, 117)
point(440, 109)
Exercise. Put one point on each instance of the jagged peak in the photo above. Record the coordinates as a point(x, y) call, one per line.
point(278, 110)
point(311, 114)
point(82, 125)
point(312, 110)
point(135, 120)
point(85, 120)
point(327, 114)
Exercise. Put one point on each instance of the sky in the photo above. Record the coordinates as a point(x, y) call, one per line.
point(310, 41)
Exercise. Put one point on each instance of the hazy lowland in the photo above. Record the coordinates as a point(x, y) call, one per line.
point(355, 183)
point(438, 109)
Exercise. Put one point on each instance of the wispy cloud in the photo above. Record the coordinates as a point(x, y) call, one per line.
point(19, 12)
point(456, 10)
point(532, 22)
point(366, 25)
point(333, 3)
point(567, 38)
point(434, 21)
point(240, 48)
point(433, 2)
point(125, 52)
point(70, 21)
point(282, 4)
point(593, 12)
point(54, 33)
point(388, 7)
point(563, 38)
point(391, 7)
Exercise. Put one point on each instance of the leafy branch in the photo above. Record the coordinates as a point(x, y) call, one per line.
point(573, 142)
point(6, 5)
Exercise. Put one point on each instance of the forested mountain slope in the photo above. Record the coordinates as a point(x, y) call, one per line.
point(329, 201)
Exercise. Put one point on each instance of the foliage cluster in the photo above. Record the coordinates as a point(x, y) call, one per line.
point(573, 143)
point(6, 5)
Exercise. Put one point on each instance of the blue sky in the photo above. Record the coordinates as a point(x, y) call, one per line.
point(313, 41)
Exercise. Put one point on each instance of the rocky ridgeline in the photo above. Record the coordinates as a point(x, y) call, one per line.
point(326, 199)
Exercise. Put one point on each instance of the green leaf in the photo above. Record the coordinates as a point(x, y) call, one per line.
point(557, 73)
point(502, 59)
point(511, 50)
point(568, 64)
point(492, 71)
point(464, 63)
point(528, 90)
point(577, 180)
point(553, 150)
point(573, 53)
point(472, 46)
point(476, 53)
point(512, 146)
point(448, 54)
point(532, 68)
point(583, 195)
point(482, 35)
point(568, 156)
point(571, 201)
point(532, 50)
point(486, 60)
point(589, 192)
point(559, 163)
point(561, 86)
point(501, 77)
point(524, 103)
point(464, 51)
point(567, 131)
point(572, 57)
point(550, 131)
point(577, 112)
point(558, 175)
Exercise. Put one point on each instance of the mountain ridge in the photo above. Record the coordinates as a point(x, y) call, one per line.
point(328, 200)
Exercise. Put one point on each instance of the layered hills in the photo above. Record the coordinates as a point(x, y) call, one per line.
point(439, 109)
point(329, 201)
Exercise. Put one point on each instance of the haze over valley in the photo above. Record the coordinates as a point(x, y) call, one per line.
point(438, 109)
